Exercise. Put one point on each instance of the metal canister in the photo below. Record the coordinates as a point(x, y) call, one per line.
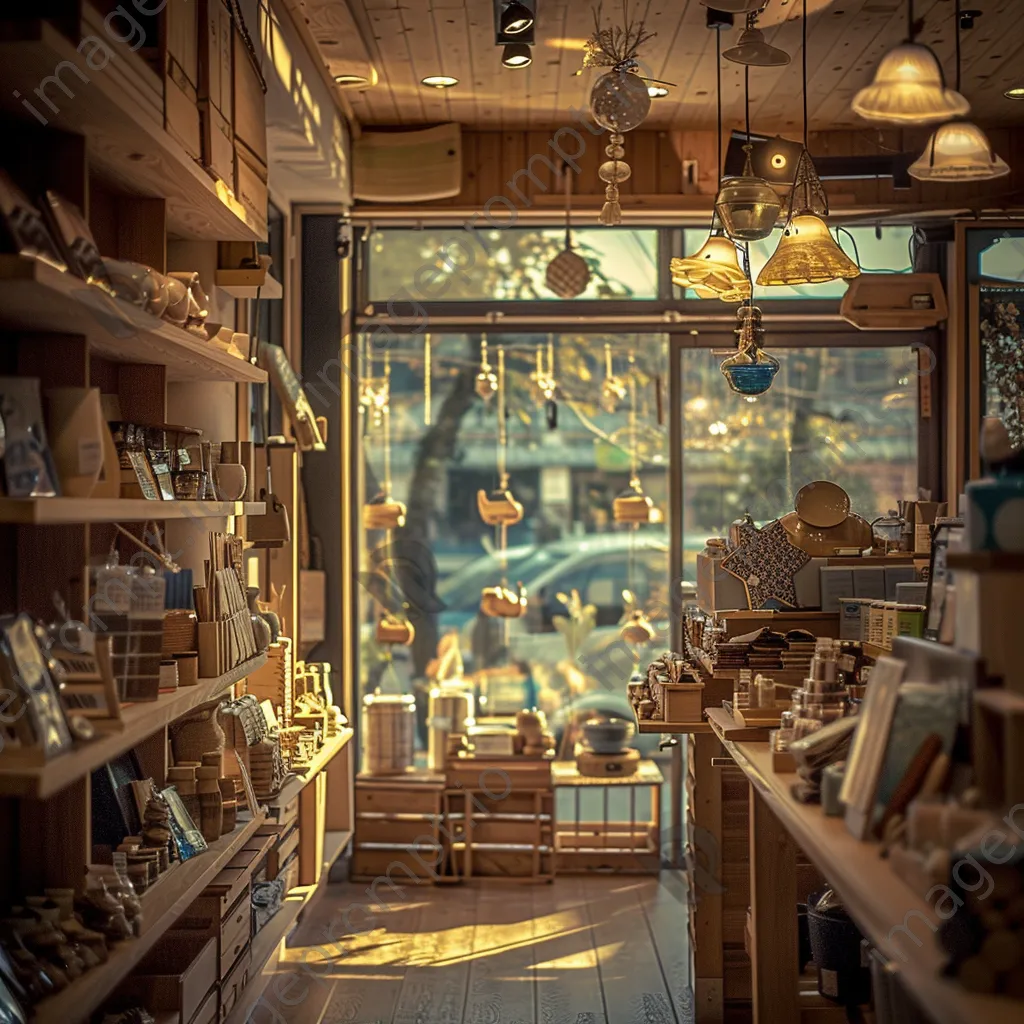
point(389, 744)
point(450, 714)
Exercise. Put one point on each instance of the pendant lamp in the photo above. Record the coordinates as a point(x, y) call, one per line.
point(747, 206)
point(753, 50)
point(959, 150)
point(714, 270)
point(751, 370)
point(908, 86)
point(807, 253)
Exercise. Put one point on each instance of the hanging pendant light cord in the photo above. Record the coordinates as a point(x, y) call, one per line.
point(956, 15)
point(718, 89)
point(910, 21)
point(803, 59)
point(746, 98)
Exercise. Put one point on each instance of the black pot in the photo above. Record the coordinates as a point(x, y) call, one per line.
point(835, 946)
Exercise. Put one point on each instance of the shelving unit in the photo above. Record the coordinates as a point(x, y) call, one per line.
point(162, 906)
point(70, 511)
point(35, 297)
point(140, 722)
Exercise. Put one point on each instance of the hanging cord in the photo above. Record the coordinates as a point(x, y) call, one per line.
point(910, 20)
point(746, 99)
point(502, 429)
point(803, 60)
point(634, 476)
point(718, 90)
point(956, 26)
point(568, 205)
point(386, 411)
point(428, 369)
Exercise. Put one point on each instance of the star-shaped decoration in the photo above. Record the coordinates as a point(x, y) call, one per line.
point(766, 563)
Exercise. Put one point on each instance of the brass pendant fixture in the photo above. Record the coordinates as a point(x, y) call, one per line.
point(908, 87)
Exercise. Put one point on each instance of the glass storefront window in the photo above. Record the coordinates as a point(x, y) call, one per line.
point(452, 265)
point(582, 571)
point(842, 414)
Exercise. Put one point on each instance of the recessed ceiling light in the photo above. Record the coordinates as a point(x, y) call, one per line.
point(351, 80)
point(656, 91)
point(516, 18)
point(517, 55)
point(1016, 93)
point(439, 81)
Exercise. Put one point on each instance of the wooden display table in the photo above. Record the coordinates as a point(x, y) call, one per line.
point(629, 847)
point(875, 897)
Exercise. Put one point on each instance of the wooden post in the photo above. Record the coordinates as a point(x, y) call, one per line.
point(709, 960)
point(773, 923)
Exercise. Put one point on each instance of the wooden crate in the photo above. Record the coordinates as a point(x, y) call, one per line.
point(608, 847)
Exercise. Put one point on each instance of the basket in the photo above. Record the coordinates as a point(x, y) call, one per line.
point(197, 733)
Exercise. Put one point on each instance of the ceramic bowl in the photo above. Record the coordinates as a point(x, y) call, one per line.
point(852, 532)
point(822, 504)
point(229, 479)
point(608, 737)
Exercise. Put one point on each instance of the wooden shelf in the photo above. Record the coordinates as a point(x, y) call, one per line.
point(293, 787)
point(334, 846)
point(266, 949)
point(38, 299)
point(986, 561)
point(65, 511)
point(875, 897)
point(140, 722)
point(162, 905)
point(121, 113)
point(240, 284)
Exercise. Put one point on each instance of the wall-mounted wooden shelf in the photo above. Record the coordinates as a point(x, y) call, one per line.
point(162, 905)
point(325, 755)
point(120, 111)
point(36, 298)
point(65, 511)
point(140, 721)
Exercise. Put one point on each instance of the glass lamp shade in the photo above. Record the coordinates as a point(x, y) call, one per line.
point(714, 268)
point(748, 207)
point(806, 254)
point(751, 370)
point(751, 49)
point(958, 151)
point(620, 101)
point(908, 89)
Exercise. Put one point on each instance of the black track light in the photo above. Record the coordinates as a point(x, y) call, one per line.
point(517, 55)
point(516, 18)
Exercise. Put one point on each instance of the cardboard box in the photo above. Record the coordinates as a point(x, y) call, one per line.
point(216, 89)
point(836, 586)
point(249, 113)
point(251, 186)
point(717, 589)
point(895, 575)
point(177, 974)
point(869, 582)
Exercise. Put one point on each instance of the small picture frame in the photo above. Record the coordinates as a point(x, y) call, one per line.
point(36, 717)
point(25, 228)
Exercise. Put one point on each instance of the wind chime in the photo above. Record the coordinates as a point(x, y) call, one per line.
point(714, 271)
point(613, 389)
point(501, 510)
point(383, 512)
point(619, 100)
point(632, 505)
point(486, 379)
point(545, 384)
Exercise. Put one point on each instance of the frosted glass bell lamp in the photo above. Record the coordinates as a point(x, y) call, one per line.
point(958, 151)
point(908, 88)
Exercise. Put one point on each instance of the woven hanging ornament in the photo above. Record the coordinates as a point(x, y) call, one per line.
point(619, 100)
point(568, 274)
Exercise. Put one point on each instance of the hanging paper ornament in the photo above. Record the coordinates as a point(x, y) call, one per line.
point(568, 274)
point(486, 378)
point(751, 370)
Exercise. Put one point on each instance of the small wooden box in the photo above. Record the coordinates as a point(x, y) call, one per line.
point(249, 111)
point(234, 983)
point(251, 185)
point(682, 702)
point(178, 974)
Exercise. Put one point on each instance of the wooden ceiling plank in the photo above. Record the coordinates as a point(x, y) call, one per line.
point(451, 21)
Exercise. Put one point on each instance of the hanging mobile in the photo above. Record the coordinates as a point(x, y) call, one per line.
point(501, 510)
point(486, 380)
point(613, 390)
point(383, 512)
point(632, 505)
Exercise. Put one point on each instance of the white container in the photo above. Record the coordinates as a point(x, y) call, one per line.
point(450, 714)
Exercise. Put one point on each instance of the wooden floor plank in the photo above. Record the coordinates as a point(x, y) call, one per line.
point(501, 989)
point(437, 976)
point(565, 959)
point(631, 979)
point(665, 906)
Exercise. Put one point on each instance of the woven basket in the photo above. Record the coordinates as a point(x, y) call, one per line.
point(197, 733)
point(567, 275)
point(179, 635)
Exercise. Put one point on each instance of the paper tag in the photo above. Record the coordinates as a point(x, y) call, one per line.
point(90, 457)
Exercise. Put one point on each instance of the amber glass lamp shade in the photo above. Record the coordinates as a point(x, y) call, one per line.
point(908, 89)
point(958, 151)
point(806, 254)
point(755, 52)
point(714, 268)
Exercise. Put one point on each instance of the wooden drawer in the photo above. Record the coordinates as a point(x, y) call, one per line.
point(222, 894)
point(402, 829)
point(209, 1012)
point(289, 814)
point(177, 974)
point(388, 800)
point(279, 855)
point(234, 983)
point(370, 864)
point(235, 932)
